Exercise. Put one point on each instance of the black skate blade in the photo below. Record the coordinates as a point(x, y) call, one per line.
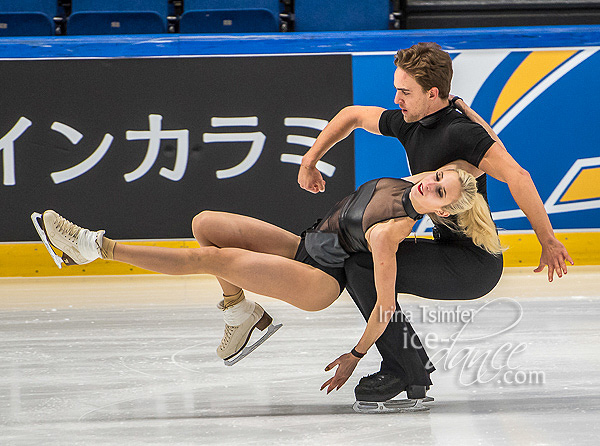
point(38, 223)
point(271, 329)
point(392, 406)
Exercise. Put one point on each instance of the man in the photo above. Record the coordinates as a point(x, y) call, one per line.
point(433, 134)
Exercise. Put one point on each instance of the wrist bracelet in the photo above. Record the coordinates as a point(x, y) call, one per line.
point(356, 354)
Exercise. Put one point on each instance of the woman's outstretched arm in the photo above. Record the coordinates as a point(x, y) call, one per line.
point(384, 239)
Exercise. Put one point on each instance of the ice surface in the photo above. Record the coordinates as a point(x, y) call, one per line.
point(131, 361)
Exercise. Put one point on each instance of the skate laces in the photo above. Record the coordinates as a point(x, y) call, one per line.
point(88, 242)
point(64, 226)
point(227, 336)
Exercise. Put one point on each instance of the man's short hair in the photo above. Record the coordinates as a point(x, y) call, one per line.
point(429, 65)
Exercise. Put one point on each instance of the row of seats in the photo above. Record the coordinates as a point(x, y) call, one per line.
point(86, 17)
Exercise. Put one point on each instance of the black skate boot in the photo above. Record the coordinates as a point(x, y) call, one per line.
point(380, 386)
point(374, 392)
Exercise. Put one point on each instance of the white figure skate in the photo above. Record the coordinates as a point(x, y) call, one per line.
point(78, 245)
point(240, 321)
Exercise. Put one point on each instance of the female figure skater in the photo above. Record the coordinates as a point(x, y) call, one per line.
point(305, 271)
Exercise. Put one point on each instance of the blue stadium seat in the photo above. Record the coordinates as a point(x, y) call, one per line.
point(27, 17)
point(240, 16)
point(229, 21)
point(118, 17)
point(342, 15)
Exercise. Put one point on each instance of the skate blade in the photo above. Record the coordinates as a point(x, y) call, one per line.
point(271, 329)
point(34, 218)
point(392, 406)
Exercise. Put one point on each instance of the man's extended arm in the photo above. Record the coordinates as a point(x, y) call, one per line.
point(498, 163)
point(339, 127)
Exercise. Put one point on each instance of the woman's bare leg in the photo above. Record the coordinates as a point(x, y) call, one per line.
point(271, 275)
point(226, 230)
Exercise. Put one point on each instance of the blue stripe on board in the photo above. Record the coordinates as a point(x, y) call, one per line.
point(286, 43)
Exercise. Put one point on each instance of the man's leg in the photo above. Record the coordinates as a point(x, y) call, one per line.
point(428, 269)
point(399, 345)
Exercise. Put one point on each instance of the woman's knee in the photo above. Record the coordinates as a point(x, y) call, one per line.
point(200, 225)
point(321, 298)
point(314, 305)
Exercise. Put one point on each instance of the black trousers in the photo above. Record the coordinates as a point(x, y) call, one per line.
point(434, 269)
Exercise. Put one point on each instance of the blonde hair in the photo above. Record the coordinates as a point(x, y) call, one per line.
point(472, 215)
point(429, 65)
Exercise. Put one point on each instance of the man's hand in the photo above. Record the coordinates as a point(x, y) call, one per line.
point(310, 179)
point(345, 366)
point(555, 255)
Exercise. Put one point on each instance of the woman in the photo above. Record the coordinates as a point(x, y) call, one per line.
point(305, 271)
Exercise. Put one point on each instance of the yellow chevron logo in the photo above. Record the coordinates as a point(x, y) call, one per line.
point(584, 187)
point(533, 69)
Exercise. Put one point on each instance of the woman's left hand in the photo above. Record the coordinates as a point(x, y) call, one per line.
point(345, 366)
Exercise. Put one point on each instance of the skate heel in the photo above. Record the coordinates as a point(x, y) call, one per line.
point(264, 321)
point(68, 260)
point(416, 392)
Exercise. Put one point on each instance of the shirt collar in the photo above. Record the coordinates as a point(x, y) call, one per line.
point(431, 120)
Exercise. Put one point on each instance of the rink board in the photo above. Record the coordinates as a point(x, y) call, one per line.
point(243, 145)
point(32, 260)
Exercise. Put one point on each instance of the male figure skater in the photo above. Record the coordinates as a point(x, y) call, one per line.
point(433, 133)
